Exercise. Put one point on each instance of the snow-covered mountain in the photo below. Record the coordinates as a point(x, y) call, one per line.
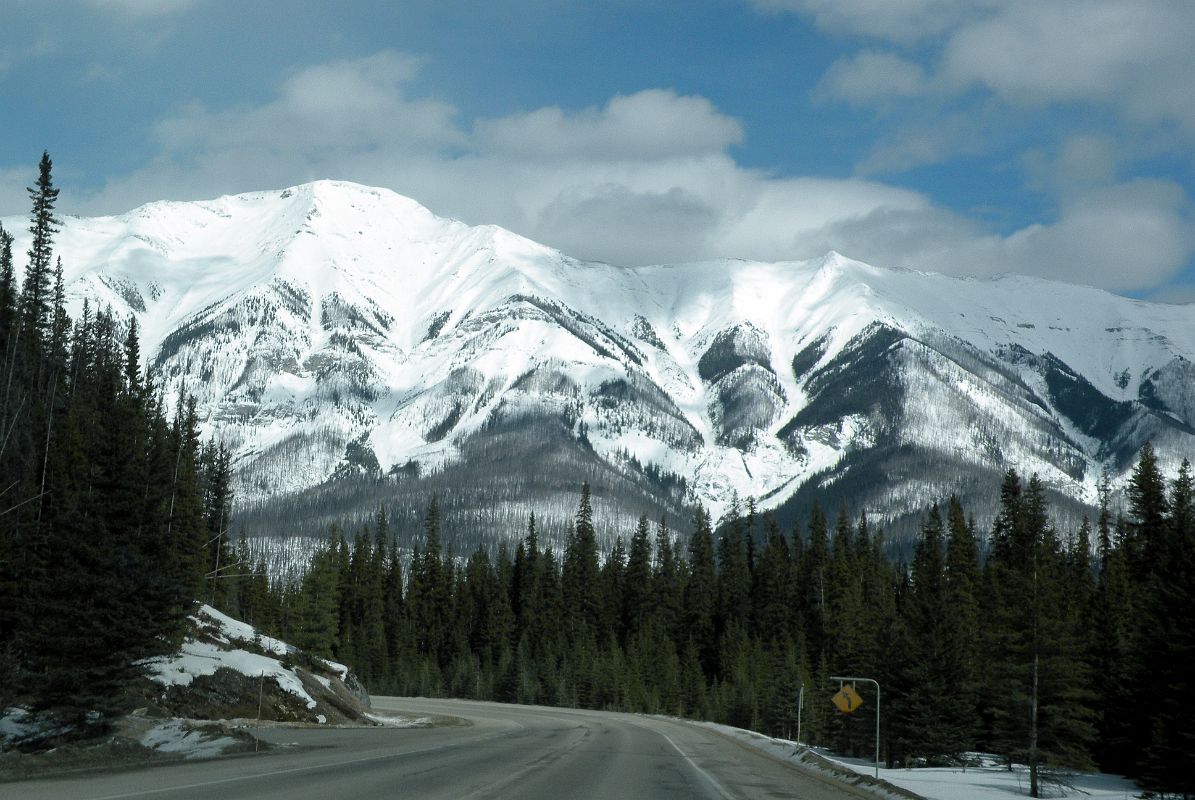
point(332, 330)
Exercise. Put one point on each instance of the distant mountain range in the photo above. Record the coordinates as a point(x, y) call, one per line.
point(353, 348)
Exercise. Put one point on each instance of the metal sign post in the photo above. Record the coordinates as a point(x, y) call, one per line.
point(877, 685)
point(800, 705)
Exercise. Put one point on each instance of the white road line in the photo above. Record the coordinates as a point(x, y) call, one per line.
point(716, 786)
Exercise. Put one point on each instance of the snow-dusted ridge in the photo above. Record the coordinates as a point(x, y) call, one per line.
point(312, 318)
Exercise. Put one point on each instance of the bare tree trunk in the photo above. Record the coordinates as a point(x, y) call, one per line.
point(46, 456)
point(1034, 789)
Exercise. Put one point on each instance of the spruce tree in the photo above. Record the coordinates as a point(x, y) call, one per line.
point(1041, 686)
point(812, 605)
point(774, 583)
point(612, 597)
point(36, 297)
point(8, 294)
point(699, 594)
point(734, 574)
point(923, 710)
point(317, 623)
point(668, 588)
point(1168, 643)
point(638, 584)
point(1144, 547)
point(962, 627)
point(580, 577)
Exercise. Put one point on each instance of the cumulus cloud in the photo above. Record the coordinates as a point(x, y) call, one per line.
point(1069, 51)
point(1124, 237)
point(650, 124)
point(1133, 58)
point(336, 107)
point(873, 76)
point(907, 21)
point(644, 178)
point(1079, 162)
point(977, 78)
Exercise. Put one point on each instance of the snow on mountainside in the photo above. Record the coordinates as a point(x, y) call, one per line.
point(333, 330)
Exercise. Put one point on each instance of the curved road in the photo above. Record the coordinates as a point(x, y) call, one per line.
point(500, 751)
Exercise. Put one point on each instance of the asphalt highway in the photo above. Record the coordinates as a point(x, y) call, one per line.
point(493, 751)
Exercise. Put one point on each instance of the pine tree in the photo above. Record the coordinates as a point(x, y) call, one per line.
point(317, 623)
point(962, 627)
point(8, 294)
point(1143, 547)
point(734, 574)
point(1168, 641)
point(924, 708)
point(1148, 508)
point(668, 589)
point(1041, 700)
point(36, 295)
point(580, 577)
point(699, 593)
point(638, 592)
point(429, 593)
point(612, 593)
point(774, 583)
point(812, 605)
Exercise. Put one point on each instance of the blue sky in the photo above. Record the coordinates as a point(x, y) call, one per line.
point(972, 138)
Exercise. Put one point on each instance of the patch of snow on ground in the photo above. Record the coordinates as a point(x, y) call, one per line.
point(200, 658)
point(173, 736)
point(15, 724)
point(235, 630)
point(400, 722)
point(952, 783)
point(339, 669)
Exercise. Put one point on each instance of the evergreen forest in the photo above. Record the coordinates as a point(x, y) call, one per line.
point(1061, 650)
point(113, 512)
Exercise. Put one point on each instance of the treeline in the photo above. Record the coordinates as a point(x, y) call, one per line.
point(1061, 650)
point(112, 511)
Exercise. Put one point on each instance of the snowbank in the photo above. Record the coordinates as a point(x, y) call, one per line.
point(197, 659)
point(940, 783)
point(236, 661)
point(175, 736)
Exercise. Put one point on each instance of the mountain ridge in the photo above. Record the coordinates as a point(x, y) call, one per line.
point(329, 323)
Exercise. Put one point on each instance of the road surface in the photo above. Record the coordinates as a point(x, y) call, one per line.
point(496, 751)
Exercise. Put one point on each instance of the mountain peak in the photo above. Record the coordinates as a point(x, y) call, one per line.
point(330, 313)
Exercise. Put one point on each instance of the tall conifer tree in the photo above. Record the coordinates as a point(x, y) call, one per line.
point(36, 289)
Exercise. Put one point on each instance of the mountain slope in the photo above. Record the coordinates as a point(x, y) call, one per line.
point(342, 337)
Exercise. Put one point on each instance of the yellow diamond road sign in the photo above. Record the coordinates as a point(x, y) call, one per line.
point(847, 699)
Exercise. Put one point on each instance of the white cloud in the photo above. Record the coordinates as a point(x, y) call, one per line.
point(142, 8)
point(650, 124)
point(1068, 51)
point(1130, 236)
point(1081, 162)
point(646, 177)
point(1132, 57)
point(872, 77)
point(45, 44)
point(903, 21)
point(331, 108)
